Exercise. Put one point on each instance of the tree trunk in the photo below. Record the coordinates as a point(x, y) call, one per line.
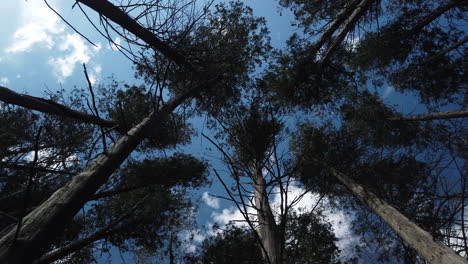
point(434, 116)
point(46, 221)
point(50, 107)
point(267, 228)
point(348, 25)
point(326, 35)
point(113, 13)
point(432, 251)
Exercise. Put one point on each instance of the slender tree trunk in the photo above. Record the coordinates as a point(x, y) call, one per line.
point(348, 26)
point(434, 116)
point(267, 228)
point(50, 107)
point(432, 251)
point(45, 222)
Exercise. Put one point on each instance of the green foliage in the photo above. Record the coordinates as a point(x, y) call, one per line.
point(225, 47)
point(128, 107)
point(310, 240)
point(162, 184)
point(59, 144)
point(252, 134)
point(296, 80)
point(233, 245)
point(179, 169)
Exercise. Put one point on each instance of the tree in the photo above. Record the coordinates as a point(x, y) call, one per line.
point(205, 61)
point(311, 241)
point(47, 220)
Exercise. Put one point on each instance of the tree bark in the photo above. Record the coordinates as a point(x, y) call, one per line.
point(267, 228)
point(432, 251)
point(326, 35)
point(46, 221)
point(348, 25)
point(50, 107)
point(113, 13)
point(434, 116)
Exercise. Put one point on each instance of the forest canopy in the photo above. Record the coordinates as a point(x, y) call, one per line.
point(359, 115)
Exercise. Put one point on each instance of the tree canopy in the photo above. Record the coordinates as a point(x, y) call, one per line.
point(98, 168)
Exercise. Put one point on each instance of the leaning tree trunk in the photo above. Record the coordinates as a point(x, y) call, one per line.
point(267, 229)
point(48, 220)
point(434, 116)
point(348, 25)
point(50, 107)
point(334, 25)
point(432, 251)
point(113, 13)
point(436, 14)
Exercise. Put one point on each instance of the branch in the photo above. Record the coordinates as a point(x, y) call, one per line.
point(434, 116)
point(113, 13)
point(49, 107)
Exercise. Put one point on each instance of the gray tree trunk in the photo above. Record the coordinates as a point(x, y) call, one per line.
point(334, 25)
point(48, 220)
point(434, 116)
point(267, 228)
point(432, 251)
point(50, 107)
point(348, 25)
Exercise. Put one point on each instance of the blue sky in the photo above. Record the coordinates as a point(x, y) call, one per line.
point(38, 53)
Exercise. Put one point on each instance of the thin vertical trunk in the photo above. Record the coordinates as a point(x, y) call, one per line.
point(434, 116)
point(50, 107)
point(45, 222)
point(432, 251)
point(267, 228)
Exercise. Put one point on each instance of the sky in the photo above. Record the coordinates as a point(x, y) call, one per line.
point(39, 53)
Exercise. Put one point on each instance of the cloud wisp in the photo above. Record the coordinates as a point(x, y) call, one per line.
point(210, 201)
point(41, 29)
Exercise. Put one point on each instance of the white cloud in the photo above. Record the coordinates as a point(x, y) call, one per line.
point(210, 201)
point(97, 69)
point(38, 25)
point(229, 215)
point(41, 27)
point(388, 90)
point(191, 238)
point(4, 80)
point(18, 76)
point(79, 52)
